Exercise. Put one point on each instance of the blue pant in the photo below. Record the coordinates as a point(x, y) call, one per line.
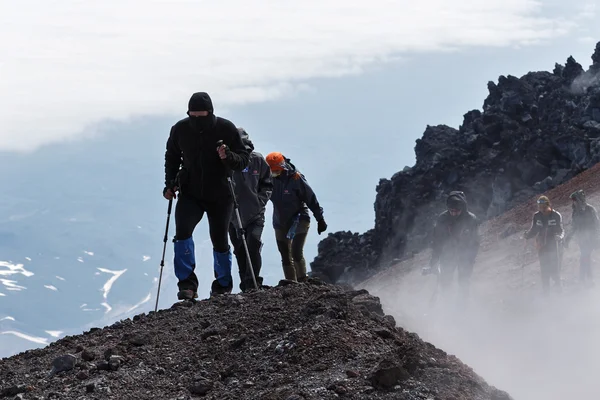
point(188, 213)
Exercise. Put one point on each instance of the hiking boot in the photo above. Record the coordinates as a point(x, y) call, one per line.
point(216, 288)
point(248, 284)
point(187, 294)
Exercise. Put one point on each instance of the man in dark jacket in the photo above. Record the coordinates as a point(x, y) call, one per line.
point(253, 188)
point(455, 243)
point(547, 228)
point(198, 167)
point(585, 226)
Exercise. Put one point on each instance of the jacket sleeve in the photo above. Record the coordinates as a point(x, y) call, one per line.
point(238, 155)
point(574, 227)
point(308, 196)
point(172, 159)
point(534, 230)
point(265, 182)
point(560, 232)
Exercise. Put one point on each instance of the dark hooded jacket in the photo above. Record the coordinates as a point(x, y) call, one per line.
point(547, 229)
point(293, 196)
point(253, 186)
point(203, 174)
point(456, 239)
point(585, 226)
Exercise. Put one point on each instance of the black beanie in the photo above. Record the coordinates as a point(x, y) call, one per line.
point(200, 101)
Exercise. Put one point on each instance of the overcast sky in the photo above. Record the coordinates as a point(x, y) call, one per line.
point(65, 65)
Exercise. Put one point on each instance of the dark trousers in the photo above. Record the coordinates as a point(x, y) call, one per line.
point(549, 266)
point(189, 211)
point(465, 270)
point(292, 251)
point(253, 240)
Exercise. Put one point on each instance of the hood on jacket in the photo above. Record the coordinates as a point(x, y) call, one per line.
point(200, 101)
point(246, 139)
point(290, 168)
point(457, 199)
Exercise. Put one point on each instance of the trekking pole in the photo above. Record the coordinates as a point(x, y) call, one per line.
point(236, 208)
point(162, 261)
point(559, 256)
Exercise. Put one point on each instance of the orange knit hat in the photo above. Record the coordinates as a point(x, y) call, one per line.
point(276, 161)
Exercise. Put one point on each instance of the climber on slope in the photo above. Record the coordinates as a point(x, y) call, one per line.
point(203, 188)
point(455, 243)
point(292, 198)
point(586, 227)
point(253, 189)
point(547, 228)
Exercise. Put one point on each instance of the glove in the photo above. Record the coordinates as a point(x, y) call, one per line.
point(169, 193)
point(321, 226)
point(223, 151)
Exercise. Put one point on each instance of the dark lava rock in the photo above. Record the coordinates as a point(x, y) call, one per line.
point(88, 355)
point(13, 391)
point(139, 340)
point(302, 341)
point(63, 363)
point(533, 133)
point(90, 387)
point(388, 374)
point(83, 375)
point(201, 387)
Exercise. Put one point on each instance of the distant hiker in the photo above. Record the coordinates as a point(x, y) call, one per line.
point(455, 243)
point(292, 198)
point(547, 227)
point(586, 227)
point(203, 188)
point(253, 189)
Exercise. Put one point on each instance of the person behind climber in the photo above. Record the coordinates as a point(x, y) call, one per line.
point(547, 228)
point(253, 189)
point(586, 227)
point(455, 243)
point(198, 168)
point(292, 198)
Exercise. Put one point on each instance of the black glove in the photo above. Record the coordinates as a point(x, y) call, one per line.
point(173, 191)
point(321, 226)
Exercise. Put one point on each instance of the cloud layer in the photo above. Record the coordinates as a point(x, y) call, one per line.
point(67, 65)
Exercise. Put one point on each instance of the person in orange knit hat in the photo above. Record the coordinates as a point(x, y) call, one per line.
point(292, 198)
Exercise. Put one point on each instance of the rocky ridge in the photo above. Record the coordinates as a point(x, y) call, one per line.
point(534, 133)
point(294, 342)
